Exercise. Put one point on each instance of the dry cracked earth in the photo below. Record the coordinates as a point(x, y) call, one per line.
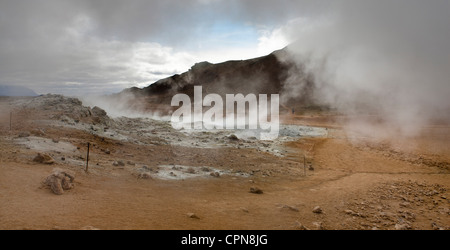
point(142, 174)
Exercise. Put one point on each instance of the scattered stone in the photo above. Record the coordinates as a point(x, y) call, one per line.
point(317, 210)
point(254, 190)
point(130, 163)
point(244, 209)
point(107, 151)
point(54, 140)
point(190, 171)
point(118, 164)
point(193, 216)
point(60, 180)
point(145, 176)
point(215, 174)
point(351, 213)
point(436, 227)
point(291, 208)
point(405, 204)
point(300, 226)
point(206, 169)
point(63, 158)
point(24, 134)
point(44, 159)
point(311, 168)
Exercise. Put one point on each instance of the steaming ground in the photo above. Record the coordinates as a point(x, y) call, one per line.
point(143, 174)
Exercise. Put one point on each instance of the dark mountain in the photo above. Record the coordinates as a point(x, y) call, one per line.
point(272, 74)
point(16, 91)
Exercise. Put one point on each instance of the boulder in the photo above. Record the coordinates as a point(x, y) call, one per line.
point(98, 112)
point(60, 180)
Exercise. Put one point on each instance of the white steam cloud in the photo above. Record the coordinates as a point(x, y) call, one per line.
point(390, 58)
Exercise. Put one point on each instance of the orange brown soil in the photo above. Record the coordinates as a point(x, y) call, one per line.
point(364, 184)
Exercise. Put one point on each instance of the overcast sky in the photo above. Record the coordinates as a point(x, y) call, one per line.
point(103, 46)
point(77, 47)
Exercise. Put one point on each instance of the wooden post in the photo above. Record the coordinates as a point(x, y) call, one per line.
point(304, 164)
point(87, 158)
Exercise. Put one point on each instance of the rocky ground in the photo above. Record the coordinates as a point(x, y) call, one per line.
point(143, 174)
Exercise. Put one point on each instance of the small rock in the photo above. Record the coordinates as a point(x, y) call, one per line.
point(215, 174)
point(244, 209)
point(190, 171)
point(24, 134)
point(405, 204)
point(130, 163)
point(299, 226)
point(63, 158)
point(317, 210)
point(54, 140)
point(351, 212)
point(145, 176)
point(291, 208)
point(254, 190)
point(436, 227)
point(107, 151)
point(193, 216)
point(44, 159)
point(120, 163)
